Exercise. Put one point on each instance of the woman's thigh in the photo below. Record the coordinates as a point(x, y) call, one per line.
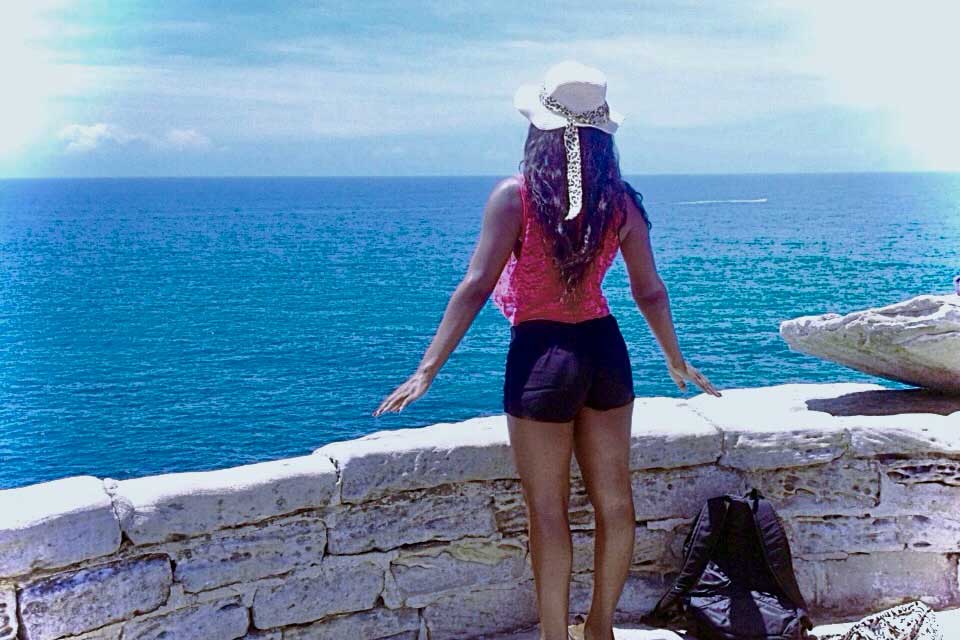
point(542, 453)
point(602, 447)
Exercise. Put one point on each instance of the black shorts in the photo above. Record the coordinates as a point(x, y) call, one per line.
point(554, 368)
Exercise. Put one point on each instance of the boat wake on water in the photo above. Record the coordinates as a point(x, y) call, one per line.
point(748, 201)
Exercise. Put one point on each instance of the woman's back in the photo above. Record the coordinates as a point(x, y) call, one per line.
point(530, 287)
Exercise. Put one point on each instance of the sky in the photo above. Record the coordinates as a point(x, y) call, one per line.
point(216, 88)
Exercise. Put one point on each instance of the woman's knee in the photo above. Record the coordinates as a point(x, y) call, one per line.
point(548, 514)
point(616, 511)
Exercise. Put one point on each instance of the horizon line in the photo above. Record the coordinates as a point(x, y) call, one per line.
point(472, 175)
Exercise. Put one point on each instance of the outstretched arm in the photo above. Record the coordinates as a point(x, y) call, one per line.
point(502, 219)
point(650, 295)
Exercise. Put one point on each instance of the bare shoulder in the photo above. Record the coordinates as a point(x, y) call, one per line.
point(505, 203)
point(633, 219)
point(506, 193)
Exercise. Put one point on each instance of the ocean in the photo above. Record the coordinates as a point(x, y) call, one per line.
point(159, 325)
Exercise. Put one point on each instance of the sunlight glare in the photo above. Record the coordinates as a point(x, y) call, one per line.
point(898, 59)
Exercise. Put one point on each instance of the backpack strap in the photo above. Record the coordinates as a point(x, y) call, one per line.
point(698, 549)
point(776, 552)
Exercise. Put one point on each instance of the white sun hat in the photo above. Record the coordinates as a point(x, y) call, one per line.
point(571, 95)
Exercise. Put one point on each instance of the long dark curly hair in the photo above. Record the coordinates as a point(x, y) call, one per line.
point(544, 166)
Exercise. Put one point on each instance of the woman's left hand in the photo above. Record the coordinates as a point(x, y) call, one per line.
point(414, 387)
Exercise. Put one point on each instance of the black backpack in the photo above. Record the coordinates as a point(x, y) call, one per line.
point(737, 580)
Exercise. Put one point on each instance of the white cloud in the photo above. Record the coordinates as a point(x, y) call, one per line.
point(895, 58)
point(187, 139)
point(669, 68)
point(81, 138)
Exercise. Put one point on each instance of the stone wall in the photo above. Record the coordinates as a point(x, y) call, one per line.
point(421, 533)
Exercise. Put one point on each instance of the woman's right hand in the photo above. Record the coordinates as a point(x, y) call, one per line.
point(686, 371)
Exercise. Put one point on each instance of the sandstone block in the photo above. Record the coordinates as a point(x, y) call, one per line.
point(387, 462)
point(865, 583)
point(8, 613)
point(934, 532)
point(248, 553)
point(510, 510)
point(338, 585)
point(225, 619)
point(842, 534)
point(264, 635)
point(640, 593)
point(681, 492)
point(376, 624)
point(442, 513)
point(845, 485)
point(916, 341)
point(650, 550)
point(109, 632)
point(667, 433)
point(424, 574)
point(483, 611)
point(177, 505)
point(917, 486)
point(79, 601)
point(905, 434)
point(772, 427)
point(55, 524)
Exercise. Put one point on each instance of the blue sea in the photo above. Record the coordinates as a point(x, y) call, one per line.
point(158, 325)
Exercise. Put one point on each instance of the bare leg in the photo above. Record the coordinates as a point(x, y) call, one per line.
point(602, 446)
point(542, 453)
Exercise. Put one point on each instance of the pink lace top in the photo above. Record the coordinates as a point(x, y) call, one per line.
point(529, 286)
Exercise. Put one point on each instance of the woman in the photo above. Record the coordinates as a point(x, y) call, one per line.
point(548, 237)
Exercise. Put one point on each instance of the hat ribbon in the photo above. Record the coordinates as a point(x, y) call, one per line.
point(571, 142)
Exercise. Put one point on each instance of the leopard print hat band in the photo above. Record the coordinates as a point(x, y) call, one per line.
point(571, 142)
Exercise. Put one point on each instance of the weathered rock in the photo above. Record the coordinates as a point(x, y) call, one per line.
point(339, 585)
point(510, 510)
point(83, 600)
point(772, 427)
point(866, 583)
point(109, 632)
point(943, 471)
point(245, 554)
point(376, 624)
point(850, 468)
point(842, 535)
point(176, 505)
point(8, 613)
point(657, 493)
point(651, 550)
point(263, 635)
point(55, 524)
point(846, 485)
point(396, 460)
point(640, 593)
point(407, 635)
point(680, 493)
point(485, 611)
point(424, 574)
point(667, 433)
point(917, 487)
point(916, 341)
point(442, 513)
point(912, 434)
point(222, 619)
point(934, 532)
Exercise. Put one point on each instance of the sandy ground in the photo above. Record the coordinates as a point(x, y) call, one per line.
point(949, 620)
